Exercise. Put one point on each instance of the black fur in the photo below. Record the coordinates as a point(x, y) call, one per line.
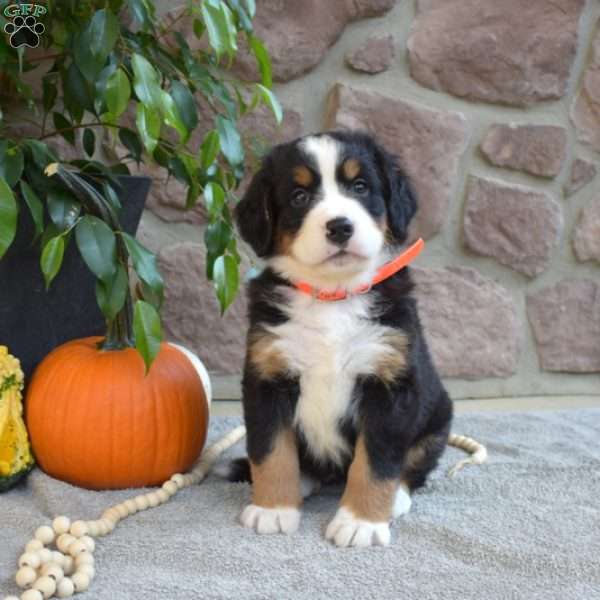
point(414, 408)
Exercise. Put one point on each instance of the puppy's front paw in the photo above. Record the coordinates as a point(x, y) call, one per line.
point(270, 520)
point(346, 530)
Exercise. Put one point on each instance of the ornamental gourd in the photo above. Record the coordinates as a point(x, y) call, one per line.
point(98, 420)
point(15, 456)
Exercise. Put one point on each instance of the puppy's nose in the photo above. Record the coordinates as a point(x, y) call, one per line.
point(339, 230)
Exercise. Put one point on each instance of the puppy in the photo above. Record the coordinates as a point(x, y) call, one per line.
point(340, 390)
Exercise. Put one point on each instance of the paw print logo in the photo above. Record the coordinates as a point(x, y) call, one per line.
point(24, 31)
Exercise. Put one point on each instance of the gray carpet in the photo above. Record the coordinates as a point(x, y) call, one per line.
point(525, 525)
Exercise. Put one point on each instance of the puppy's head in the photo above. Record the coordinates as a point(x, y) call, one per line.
point(326, 207)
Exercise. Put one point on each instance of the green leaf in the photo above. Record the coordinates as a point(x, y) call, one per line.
point(11, 163)
point(271, 101)
point(172, 117)
point(209, 149)
point(146, 82)
point(35, 207)
point(52, 257)
point(139, 12)
point(131, 141)
point(97, 245)
point(8, 216)
point(263, 60)
point(198, 28)
point(49, 93)
point(100, 83)
point(111, 295)
point(92, 46)
point(231, 143)
point(214, 197)
point(216, 26)
point(118, 92)
point(103, 33)
point(64, 126)
point(62, 208)
point(147, 331)
point(186, 105)
point(147, 120)
point(217, 236)
point(251, 5)
point(77, 94)
point(111, 196)
point(89, 142)
point(226, 279)
point(144, 263)
point(42, 155)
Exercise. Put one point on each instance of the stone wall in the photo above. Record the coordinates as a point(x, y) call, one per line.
point(494, 110)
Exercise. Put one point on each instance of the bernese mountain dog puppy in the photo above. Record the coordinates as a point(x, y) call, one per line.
point(343, 390)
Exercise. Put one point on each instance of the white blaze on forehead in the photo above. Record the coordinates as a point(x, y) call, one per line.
point(326, 153)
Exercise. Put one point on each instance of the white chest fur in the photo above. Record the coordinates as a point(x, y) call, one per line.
point(328, 344)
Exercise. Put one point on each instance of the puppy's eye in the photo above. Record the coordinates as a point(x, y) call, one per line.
point(300, 198)
point(360, 186)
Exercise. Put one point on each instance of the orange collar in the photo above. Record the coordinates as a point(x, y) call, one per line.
point(384, 272)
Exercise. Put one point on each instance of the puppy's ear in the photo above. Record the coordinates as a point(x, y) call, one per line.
point(254, 214)
point(400, 198)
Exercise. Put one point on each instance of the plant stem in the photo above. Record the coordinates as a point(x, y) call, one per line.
point(82, 126)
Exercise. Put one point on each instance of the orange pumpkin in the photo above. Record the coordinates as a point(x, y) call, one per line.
point(97, 420)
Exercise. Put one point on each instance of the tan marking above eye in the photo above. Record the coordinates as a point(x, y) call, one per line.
point(302, 176)
point(351, 168)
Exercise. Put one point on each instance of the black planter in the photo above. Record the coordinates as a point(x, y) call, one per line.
point(33, 321)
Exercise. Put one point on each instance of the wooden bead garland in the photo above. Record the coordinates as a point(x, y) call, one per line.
point(69, 567)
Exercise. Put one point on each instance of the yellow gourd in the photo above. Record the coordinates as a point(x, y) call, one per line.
point(15, 455)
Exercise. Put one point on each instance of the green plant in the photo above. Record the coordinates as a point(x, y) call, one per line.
point(112, 70)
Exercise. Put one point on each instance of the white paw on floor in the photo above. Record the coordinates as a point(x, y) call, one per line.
point(402, 502)
point(270, 520)
point(346, 530)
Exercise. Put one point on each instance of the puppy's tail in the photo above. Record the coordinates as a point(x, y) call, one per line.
point(478, 452)
point(237, 470)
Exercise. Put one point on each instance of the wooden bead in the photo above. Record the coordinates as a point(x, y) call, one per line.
point(46, 585)
point(84, 559)
point(141, 502)
point(92, 528)
point(162, 495)
point(170, 487)
point(34, 546)
point(102, 528)
point(58, 558)
point(61, 524)
point(10, 598)
point(108, 525)
point(79, 528)
point(68, 565)
point(25, 577)
point(45, 555)
point(53, 570)
point(32, 595)
point(122, 510)
point(81, 582)
point(76, 548)
point(29, 559)
point(153, 499)
point(88, 570)
point(89, 543)
point(45, 534)
point(178, 480)
point(65, 588)
point(64, 541)
point(112, 514)
point(130, 506)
